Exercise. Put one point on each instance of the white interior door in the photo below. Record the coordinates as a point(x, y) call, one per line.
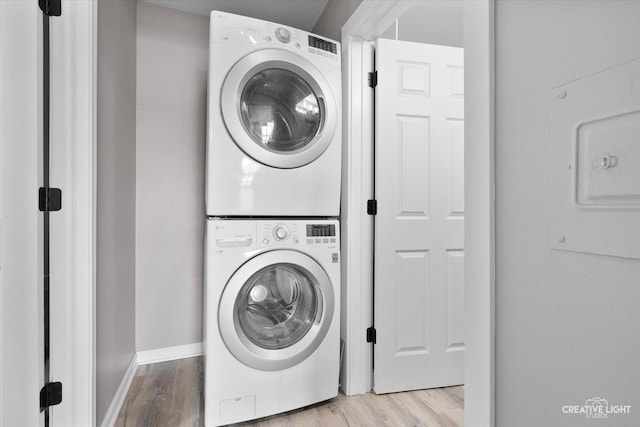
point(21, 345)
point(419, 227)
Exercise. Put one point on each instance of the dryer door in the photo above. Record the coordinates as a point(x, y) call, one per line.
point(276, 310)
point(279, 108)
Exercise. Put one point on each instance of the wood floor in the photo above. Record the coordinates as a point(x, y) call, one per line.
point(169, 394)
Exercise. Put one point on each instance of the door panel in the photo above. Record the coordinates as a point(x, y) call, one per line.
point(419, 186)
point(455, 300)
point(21, 339)
point(410, 302)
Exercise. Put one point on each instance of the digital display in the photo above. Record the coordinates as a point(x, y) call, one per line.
point(315, 230)
point(322, 44)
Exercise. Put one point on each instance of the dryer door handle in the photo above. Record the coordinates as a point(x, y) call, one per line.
point(323, 109)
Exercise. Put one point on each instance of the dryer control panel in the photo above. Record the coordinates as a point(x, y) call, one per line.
point(230, 28)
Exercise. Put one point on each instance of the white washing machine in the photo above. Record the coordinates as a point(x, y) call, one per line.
point(274, 120)
point(272, 329)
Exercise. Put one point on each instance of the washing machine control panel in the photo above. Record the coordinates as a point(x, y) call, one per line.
point(320, 235)
point(235, 236)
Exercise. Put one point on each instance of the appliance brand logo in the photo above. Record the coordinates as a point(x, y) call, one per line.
point(595, 408)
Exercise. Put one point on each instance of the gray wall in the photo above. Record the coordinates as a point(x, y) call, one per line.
point(171, 130)
point(434, 22)
point(116, 195)
point(333, 17)
point(567, 324)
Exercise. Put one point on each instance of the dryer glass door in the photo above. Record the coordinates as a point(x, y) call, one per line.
point(280, 111)
point(279, 108)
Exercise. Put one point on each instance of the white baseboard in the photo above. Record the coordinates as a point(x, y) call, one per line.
point(118, 399)
point(170, 353)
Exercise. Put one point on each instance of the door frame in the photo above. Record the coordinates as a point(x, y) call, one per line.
point(21, 234)
point(72, 136)
point(368, 22)
point(73, 169)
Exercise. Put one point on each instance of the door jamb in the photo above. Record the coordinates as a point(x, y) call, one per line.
point(368, 22)
point(73, 167)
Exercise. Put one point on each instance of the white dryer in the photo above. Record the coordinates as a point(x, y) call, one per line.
point(274, 120)
point(272, 303)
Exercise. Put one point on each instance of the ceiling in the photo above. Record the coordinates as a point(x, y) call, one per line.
point(301, 14)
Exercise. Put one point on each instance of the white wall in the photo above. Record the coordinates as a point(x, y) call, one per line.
point(567, 324)
point(433, 22)
point(170, 158)
point(333, 17)
point(116, 192)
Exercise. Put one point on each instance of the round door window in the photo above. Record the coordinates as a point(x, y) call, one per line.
point(277, 306)
point(280, 110)
point(276, 309)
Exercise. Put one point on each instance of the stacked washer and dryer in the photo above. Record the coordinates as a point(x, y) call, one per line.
point(272, 267)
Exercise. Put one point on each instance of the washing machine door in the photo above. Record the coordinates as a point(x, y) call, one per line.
point(276, 309)
point(278, 108)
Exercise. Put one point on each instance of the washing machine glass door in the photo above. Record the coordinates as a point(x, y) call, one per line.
point(276, 310)
point(279, 108)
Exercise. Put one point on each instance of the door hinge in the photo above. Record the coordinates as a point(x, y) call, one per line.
point(50, 395)
point(372, 207)
point(49, 199)
point(51, 7)
point(371, 334)
point(373, 79)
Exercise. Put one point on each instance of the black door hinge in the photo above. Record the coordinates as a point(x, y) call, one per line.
point(51, 7)
point(50, 395)
point(49, 199)
point(371, 334)
point(372, 207)
point(373, 79)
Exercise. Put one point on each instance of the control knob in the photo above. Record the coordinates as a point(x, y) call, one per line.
point(283, 35)
point(280, 232)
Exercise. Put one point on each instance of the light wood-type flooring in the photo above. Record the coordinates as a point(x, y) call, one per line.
point(169, 394)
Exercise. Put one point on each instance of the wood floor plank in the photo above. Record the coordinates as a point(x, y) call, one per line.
point(170, 394)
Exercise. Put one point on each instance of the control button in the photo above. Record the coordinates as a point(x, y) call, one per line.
point(265, 241)
point(325, 240)
point(318, 240)
point(312, 50)
point(280, 232)
point(283, 35)
point(295, 240)
point(332, 240)
point(310, 241)
point(298, 46)
point(268, 38)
